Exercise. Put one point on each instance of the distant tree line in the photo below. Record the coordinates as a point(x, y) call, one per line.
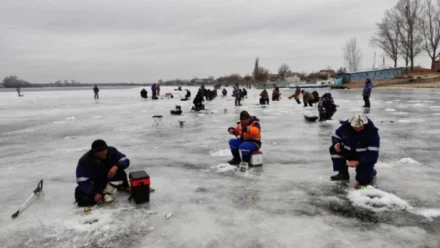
point(14, 82)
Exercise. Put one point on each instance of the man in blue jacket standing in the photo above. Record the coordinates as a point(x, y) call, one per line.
point(99, 173)
point(153, 91)
point(366, 93)
point(355, 145)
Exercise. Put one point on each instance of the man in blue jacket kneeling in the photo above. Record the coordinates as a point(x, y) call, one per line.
point(100, 172)
point(356, 145)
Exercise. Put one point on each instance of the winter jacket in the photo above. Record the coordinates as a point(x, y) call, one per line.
point(296, 94)
point(307, 96)
point(198, 100)
point(92, 173)
point(367, 88)
point(326, 104)
point(264, 94)
point(153, 88)
point(250, 132)
point(360, 146)
point(237, 93)
point(315, 96)
point(144, 93)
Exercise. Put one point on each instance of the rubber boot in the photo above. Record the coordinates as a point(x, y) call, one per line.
point(236, 157)
point(341, 176)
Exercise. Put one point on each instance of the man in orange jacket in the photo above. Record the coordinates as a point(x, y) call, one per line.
point(248, 133)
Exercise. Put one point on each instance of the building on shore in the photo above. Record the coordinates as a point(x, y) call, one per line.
point(389, 73)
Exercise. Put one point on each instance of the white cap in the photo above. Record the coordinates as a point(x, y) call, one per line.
point(357, 120)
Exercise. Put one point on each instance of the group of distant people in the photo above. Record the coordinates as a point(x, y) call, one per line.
point(264, 96)
point(326, 106)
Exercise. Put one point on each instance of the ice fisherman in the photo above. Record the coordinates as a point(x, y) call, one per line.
point(264, 97)
point(100, 172)
point(96, 91)
point(248, 133)
point(355, 144)
point(315, 96)
point(276, 94)
point(244, 92)
point(296, 95)
point(187, 95)
point(326, 107)
point(366, 93)
point(198, 102)
point(224, 92)
point(307, 98)
point(144, 93)
point(238, 95)
point(154, 91)
point(19, 91)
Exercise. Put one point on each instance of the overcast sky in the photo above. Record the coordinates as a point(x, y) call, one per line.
point(144, 41)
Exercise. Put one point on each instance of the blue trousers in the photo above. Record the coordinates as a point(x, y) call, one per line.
point(364, 173)
point(245, 147)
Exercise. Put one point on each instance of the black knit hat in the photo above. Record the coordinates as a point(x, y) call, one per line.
point(99, 145)
point(244, 115)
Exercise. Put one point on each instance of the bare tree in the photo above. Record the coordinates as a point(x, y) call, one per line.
point(429, 24)
point(387, 36)
point(352, 55)
point(262, 74)
point(283, 70)
point(408, 11)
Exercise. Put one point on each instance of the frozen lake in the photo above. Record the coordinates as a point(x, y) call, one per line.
point(290, 202)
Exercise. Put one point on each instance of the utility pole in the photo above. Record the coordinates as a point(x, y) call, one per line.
point(374, 60)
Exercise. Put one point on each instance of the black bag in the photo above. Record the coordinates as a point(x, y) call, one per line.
point(140, 186)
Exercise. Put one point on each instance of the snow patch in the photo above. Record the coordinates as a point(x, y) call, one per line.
point(411, 121)
point(434, 107)
point(71, 118)
point(436, 114)
point(355, 110)
point(376, 200)
point(27, 130)
point(59, 122)
point(408, 161)
point(400, 113)
point(220, 153)
point(68, 150)
point(401, 162)
point(390, 110)
point(428, 212)
point(418, 105)
point(226, 167)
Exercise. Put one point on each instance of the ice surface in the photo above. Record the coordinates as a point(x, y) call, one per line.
point(290, 202)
